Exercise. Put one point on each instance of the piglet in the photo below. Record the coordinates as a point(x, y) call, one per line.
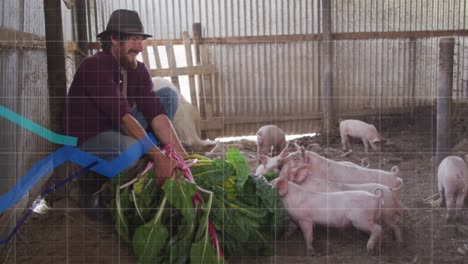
point(343, 173)
point(365, 163)
point(452, 180)
point(391, 209)
point(273, 164)
point(336, 209)
point(359, 129)
point(270, 140)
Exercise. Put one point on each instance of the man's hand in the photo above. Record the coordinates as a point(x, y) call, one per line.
point(166, 134)
point(164, 167)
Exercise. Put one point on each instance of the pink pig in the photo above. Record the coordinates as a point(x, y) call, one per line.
point(272, 164)
point(391, 209)
point(270, 140)
point(339, 172)
point(336, 209)
point(356, 128)
point(365, 163)
point(452, 180)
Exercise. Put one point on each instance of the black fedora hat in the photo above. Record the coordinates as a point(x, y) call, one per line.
point(124, 21)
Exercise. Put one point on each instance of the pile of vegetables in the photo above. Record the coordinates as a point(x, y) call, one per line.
point(223, 212)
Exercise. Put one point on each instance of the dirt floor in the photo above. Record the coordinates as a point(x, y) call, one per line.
point(65, 235)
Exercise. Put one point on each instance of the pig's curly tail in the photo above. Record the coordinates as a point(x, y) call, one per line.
point(379, 190)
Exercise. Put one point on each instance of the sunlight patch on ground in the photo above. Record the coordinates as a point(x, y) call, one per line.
point(254, 137)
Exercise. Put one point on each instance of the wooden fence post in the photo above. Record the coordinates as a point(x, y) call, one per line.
point(197, 40)
point(444, 96)
point(82, 30)
point(172, 62)
point(327, 73)
point(188, 55)
point(55, 61)
point(413, 65)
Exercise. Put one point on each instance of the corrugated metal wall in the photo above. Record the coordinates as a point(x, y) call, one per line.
point(378, 73)
point(23, 80)
point(167, 19)
point(397, 15)
point(277, 79)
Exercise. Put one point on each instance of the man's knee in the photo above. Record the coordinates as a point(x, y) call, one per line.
point(170, 100)
point(108, 145)
point(125, 143)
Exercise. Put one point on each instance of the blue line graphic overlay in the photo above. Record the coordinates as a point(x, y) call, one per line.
point(37, 129)
point(67, 153)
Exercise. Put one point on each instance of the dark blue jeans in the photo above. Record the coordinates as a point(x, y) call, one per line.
point(109, 144)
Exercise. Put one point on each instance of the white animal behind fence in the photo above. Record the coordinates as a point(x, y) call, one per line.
point(186, 120)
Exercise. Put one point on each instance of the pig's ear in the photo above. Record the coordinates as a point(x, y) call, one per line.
point(264, 159)
point(298, 147)
point(395, 169)
point(284, 153)
point(303, 152)
point(285, 171)
point(282, 187)
point(301, 173)
point(288, 172)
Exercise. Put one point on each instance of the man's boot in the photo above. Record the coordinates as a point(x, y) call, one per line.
point(95, 197)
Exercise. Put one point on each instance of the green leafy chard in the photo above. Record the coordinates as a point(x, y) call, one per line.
point(149, 239)
point(164, 226)
point(240, 164)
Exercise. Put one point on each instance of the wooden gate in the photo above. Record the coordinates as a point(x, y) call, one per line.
point(201, 74)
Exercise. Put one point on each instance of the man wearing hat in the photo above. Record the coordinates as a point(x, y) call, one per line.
point(111, 103)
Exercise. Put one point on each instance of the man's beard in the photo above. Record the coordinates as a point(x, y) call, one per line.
point(126, 63)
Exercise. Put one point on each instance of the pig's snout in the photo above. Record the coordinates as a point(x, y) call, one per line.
point(376, 146)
